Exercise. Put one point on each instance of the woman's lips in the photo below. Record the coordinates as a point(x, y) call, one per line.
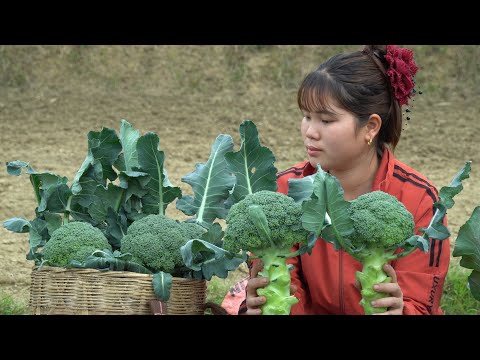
point(313, 151)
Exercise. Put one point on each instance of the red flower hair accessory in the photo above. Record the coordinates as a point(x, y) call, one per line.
point(401, 70)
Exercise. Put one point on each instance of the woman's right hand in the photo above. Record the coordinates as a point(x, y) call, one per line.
point(253, 301)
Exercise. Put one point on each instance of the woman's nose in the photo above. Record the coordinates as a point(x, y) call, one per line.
point(312, 132)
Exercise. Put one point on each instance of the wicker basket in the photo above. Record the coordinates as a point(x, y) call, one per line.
point(92, 292)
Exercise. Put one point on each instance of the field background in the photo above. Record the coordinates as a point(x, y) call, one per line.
point(51, 96)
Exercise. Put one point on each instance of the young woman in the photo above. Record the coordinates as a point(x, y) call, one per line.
point(352, 121)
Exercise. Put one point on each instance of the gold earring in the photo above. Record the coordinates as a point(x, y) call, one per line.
point(369, 142)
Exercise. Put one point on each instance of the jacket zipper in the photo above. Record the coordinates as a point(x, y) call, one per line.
point(340, 282)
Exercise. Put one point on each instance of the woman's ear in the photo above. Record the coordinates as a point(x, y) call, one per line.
point(373, 127)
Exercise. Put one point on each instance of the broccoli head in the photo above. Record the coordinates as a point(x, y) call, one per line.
point(74, 241)
point(283, 217)
point(381, 225)
point(380, 219)
point(268, 224)
point(156, 241)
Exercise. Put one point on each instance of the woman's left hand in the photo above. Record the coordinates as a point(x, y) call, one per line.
point(394, 302)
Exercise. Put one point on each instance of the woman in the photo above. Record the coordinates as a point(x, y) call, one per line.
point(352, 121)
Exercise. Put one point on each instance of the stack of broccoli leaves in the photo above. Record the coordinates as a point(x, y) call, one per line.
point(123, 181)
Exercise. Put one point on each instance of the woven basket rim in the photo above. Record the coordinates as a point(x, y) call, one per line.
point(120, 273)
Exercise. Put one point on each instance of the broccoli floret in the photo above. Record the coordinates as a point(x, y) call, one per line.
point(381, 225)
point(156, 241)
point(270, 238)
point(73, 241)
point(191, 230)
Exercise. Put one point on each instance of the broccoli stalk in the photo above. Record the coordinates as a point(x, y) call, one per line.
point(268, 224)
point(277, 292)
point(372, 273)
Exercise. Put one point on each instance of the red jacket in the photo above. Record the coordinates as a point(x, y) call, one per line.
point(326, 279)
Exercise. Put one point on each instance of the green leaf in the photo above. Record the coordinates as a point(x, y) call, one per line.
point(337, 208)
point(116, 228)
point(301, 189)
point(252, 164)
point(467, 244)
point(18, 225)
point(38, 234)
point(77, 185)
point(43, 185)
point(315, 209)
point(200, 255)
point(436, 229)
point(211, 183)
point(447, 193)
point(15, 167)
point(214, 235)
point(135, 183)
point(106, 260)
point(54, 221)
point(119, 164)
point(105, 198)
point(55, 198)
point(87, 184)
point(474, 284)
point(162, 284)
point(256, 214)
point(327, 211)
point(328, 235)
point(151, 161)
point(128, 177)
point(105, 148)
point(80, 213)
point(416, 242)
point(128, 138)
point(307, 248)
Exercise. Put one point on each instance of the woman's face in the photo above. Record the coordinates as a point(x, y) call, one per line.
point(332, 139)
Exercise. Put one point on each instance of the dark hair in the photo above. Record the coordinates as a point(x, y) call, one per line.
point(357, 82)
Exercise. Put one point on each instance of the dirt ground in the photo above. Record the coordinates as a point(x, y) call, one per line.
point(58, 94)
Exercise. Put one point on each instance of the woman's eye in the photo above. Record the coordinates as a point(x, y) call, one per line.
point(326, 121)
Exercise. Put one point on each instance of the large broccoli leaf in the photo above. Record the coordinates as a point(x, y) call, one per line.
point(436, 229)
point(467, 245)
point(211, 183)
point(327, 211)
point(252, 164)
point(151, 161)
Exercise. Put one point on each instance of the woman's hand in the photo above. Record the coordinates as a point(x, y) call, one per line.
point(253, 301)
point(394, 302)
